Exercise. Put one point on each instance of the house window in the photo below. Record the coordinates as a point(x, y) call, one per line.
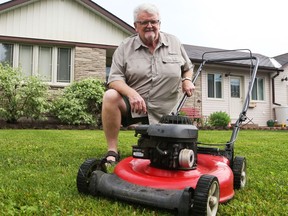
point(235, 87)
point(26, 59)
point(52, 64)
point(6, 53)
point(258, 89)
point(214, 85)
point(45, 63)
point(64, 65)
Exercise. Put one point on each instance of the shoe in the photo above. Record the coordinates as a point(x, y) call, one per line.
point(112, 154)
point(110, 165)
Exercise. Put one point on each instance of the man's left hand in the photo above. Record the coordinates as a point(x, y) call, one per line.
point(188, 87)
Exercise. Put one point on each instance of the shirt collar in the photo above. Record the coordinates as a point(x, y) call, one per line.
point(162, 41)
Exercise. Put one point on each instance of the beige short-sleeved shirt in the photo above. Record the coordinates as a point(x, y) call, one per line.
point(156, 77)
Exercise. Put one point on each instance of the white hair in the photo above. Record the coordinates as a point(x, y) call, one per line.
point(146, 7)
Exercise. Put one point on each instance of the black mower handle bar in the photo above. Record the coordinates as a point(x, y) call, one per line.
point(217, 60)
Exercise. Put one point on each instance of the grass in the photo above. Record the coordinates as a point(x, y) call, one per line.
point(39, 167)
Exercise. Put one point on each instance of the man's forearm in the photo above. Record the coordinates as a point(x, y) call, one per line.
point(121, 87)
point(188, 74)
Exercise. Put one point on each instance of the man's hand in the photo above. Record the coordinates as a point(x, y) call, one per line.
point(188, 87)
point(137, 103)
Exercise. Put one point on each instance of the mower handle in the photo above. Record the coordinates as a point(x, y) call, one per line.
point(183, 99)
point(229, 149)
point(175, 111)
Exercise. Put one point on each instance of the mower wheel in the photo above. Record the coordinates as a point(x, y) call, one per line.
point(206, 196)
point(85, 172)
point(239, 171)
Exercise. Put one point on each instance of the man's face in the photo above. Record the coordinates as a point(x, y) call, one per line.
point(147, 26)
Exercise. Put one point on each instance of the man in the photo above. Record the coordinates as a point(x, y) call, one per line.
point(147, 70)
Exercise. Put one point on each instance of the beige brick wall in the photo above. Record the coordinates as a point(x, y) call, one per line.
point(89, 62)
point(195, 99)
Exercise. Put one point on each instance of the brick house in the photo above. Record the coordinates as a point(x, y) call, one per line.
point(62, 47)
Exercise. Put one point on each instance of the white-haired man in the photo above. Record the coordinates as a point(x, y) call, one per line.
point(146, 72)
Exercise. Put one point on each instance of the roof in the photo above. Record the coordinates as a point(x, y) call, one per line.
point(282, 59)
point(195, 53)
point(87, 3)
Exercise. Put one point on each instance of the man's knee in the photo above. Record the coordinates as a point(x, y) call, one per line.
point(111, 96)
point(114, 99)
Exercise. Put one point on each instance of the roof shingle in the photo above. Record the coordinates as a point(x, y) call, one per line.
point(195, 53)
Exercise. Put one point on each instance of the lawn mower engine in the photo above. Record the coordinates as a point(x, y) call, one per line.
point(170, 144)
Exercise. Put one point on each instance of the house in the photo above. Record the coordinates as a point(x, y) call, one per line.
point(59, 46)
point(224, 86)
point(39, 37)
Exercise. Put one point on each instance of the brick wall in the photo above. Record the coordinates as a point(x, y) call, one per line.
point(89, 62)
point(195, 99)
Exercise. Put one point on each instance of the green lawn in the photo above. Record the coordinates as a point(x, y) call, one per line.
point(39, 168)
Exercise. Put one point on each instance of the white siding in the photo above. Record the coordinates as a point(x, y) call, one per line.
point(211, 105)
point(281, 95)
point(263, 110)
point(62, 20)
point(281, 88)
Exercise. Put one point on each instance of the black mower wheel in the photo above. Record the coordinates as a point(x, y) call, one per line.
point(239, 171)
point(85, 172)
point(206, 196)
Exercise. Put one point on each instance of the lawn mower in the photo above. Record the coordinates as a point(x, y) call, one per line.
point(169, 168)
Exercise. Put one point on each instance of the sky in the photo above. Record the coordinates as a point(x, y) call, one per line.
point(258, 25)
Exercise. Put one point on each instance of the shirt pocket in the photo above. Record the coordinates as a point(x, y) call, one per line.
point(173, 59)
point(172, 66)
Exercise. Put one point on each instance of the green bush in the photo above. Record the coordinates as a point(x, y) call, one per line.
point(80, 103)
point(270, 123)
point(219, 119)
point(21, 96)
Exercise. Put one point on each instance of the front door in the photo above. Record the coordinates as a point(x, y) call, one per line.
point(236, 95)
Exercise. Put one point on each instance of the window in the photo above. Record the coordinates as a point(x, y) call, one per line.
point(52, 64)
point(6, 53)
point(214, 85)
point(63, 65)
point(235, 87)
point(258, 89)
point(26, 59)
point(45, 63)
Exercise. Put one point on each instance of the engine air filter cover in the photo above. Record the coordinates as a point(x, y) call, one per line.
point(173, 131)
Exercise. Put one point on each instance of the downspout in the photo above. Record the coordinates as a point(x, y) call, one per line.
point(273, 89)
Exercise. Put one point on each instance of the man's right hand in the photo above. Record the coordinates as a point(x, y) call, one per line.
point(137, 103)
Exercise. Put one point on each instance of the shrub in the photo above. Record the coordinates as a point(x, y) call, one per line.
point(270, 123)
point(21, 96)
point(80, 103)
point(219, 118)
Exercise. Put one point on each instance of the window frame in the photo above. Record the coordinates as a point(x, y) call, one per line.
point(256, 83)
point(35, 62)
point(26, 57)
point(39, 65)
point(10, 60)
point(59, 62)
point(215, 86)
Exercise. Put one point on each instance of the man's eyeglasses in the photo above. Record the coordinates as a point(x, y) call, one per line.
point(146, 22)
